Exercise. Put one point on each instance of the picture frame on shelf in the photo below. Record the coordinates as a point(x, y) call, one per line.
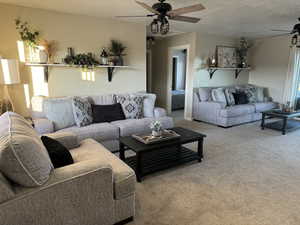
point(226, 56)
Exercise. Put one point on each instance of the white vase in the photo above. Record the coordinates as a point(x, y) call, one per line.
point(156, 133)
point(43, 57)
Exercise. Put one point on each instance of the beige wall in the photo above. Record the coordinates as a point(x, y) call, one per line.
point(206, 45)
point(270, 58)
point(161, 71)
point(201, 46)
point(85, 34)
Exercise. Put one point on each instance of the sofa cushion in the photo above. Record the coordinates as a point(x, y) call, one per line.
point(102, 99)
point(204, 94)
point(60, 112)
point(23, 157)
point(123, 176)
point(237, 110)
point(264, 106)
point(139, 126)
point(6, 191)
point(82, 111)
point(98, 131)
point(218, 95)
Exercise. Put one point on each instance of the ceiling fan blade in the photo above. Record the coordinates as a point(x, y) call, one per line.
point(189, 9)
point(134, 16)
point(185, 19)
point(281, 30)
point(149, 8)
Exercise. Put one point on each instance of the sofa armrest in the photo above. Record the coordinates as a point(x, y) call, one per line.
point(207, 111)
point(81, 192)
point(43, 126)
point(159, 112)
point(68, 139)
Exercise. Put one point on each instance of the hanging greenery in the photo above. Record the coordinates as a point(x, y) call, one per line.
point(27, 34)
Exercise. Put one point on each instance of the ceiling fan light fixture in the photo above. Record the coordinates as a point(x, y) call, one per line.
point(295, 39)
point(164, 27)
point(154, 27)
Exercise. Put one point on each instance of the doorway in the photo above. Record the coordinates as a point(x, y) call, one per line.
point(178, 90)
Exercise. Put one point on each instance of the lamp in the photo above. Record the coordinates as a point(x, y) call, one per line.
point(164, 27)
point(9, 75)
point(154, 27)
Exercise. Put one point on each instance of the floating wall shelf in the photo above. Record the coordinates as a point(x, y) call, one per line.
point(110, 69)
point(212, 70)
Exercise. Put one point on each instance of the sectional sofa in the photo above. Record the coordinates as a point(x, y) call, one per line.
point(105, 133)
point(205, 109)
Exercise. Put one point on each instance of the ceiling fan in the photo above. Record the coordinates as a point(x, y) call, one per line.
point(295, 31)
point(164, 11)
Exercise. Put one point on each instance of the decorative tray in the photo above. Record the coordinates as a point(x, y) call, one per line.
point(149, 139)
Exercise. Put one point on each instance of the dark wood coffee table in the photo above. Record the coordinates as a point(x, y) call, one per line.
point(286, 123)
point(163, 155)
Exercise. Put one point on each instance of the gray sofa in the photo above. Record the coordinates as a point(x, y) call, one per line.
point(219, 113)
point(105, 133)
point(97, 189)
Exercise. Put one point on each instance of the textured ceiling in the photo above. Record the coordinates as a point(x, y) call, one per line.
point(235, 18)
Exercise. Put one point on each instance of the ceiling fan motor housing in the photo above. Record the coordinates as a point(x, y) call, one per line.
point(162, 8)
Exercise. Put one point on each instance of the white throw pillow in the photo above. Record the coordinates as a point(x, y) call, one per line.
point(149, 104)
point(60, 112)
point(218, 95)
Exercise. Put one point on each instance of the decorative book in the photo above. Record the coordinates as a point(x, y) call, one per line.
point(149, 139)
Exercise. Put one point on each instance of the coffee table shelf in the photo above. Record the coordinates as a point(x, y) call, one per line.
point(154, 157)
point(159, 161)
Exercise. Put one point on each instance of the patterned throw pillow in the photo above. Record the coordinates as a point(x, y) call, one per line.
point(132, 105)
point(82, 110)
point(229, 96)
point(251, 93)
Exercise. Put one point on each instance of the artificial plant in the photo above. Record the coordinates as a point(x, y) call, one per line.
point(27, 34)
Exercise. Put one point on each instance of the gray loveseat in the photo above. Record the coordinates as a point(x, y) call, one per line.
point(220, 113)
point(105, 133)
point(97, 189)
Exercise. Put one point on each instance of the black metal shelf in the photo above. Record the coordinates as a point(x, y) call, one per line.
point(212, 70)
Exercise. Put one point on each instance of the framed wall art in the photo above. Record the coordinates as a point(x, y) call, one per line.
point(226, 56)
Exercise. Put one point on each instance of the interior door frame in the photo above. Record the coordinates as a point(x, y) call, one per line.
point(170, 76)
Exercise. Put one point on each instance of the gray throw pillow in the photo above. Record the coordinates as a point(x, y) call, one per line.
point(60, 112)
point(229, 96)
point(82, 110)
point(23, 157)
point(218, 95)
point(260, 94)
point(132, 105)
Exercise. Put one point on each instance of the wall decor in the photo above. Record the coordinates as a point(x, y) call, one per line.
point(104, 57)
point(226, 56)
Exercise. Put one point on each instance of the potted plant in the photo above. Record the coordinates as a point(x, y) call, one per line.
point(30, 38)
point(242, 52)
point(156, 128)
point(117, 52)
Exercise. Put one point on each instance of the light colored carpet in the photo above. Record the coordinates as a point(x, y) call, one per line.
point(248, 177)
